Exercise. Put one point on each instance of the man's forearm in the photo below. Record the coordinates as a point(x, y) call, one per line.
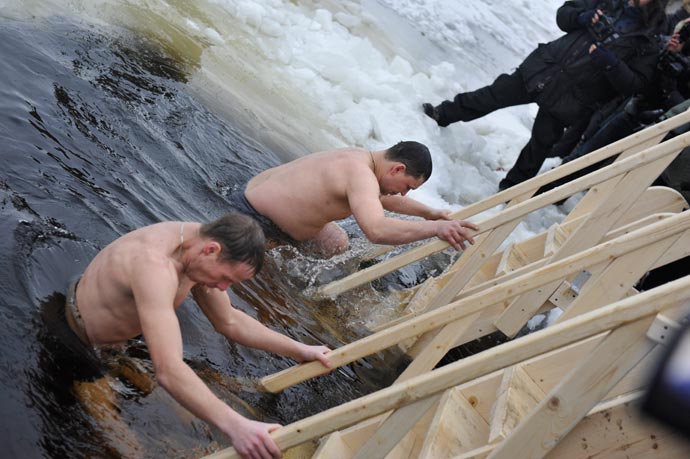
point(180, 381)
point(394, 231)
point(406, 206)
point(252, 333)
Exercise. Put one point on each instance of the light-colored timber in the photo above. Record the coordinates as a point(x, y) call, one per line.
point(625, 319)
point(569, 391)
point(473, 316)
point(519, 193)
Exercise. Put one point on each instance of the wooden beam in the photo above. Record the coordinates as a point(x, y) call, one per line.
point(597, 224)
point(618, 277)
point(648, 136)
point(475, 303)
point(456, 427)
point(578, 393)
point(516, 397)
point(646, 304)
point(392, 431)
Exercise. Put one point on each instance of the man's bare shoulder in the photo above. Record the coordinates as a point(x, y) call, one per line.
point(147, 249)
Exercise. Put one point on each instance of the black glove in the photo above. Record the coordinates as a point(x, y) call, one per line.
point(604, 58)
point(585, 18)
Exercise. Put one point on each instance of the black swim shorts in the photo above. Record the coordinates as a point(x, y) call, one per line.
point(272, 231)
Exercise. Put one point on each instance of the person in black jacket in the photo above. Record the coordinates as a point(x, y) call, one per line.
point(667, 94)
point(608, 49)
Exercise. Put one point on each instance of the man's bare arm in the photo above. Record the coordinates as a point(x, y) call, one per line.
point(408, 206)
point(243, 329)
point(367, 208)
point(154, 283)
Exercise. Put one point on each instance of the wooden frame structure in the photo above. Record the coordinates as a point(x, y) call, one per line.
point(632, 175)
point(610, 341)
point(518, 194)
point(472, 315)
point(523, 397)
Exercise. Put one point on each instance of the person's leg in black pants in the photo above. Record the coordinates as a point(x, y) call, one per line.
point(505, 91)
point(546, 131)
point(619, 125)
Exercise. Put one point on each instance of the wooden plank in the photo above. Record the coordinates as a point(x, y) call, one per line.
point(512, 258)
point(618, 277)
point(578, 393)
point(395, 428)
point(593, 197)
point(612, 284)
point(456, 428)
point(563, 296)
point(646, 137)
point(470, 263)
point(646, 304)
point(680, 249)
point(344, 443)
point(656, 199)
point(517, 396)
point(616, 431)
point(597, 224)
point(555, 238)
point(333, 446)
point(472, 304)
point(620, 433)
point(479, 453)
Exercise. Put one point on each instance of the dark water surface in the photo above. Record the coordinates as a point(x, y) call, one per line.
point(99, 135)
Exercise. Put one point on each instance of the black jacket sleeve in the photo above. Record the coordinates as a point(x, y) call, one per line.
point(566, 16)
point(631, 77)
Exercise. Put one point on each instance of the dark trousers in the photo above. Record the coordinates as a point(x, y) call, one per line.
point(617, 126)
point(507, 91)
point(546, 131)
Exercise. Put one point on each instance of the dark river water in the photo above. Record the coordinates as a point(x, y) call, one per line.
point(100, 135)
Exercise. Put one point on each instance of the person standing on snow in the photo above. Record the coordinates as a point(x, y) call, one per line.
point(609, 49)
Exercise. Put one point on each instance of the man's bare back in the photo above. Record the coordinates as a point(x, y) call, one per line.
point(105, 297)
point(305, 196)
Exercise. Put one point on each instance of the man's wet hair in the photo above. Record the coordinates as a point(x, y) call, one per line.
point(414, 155)
point(240, 237)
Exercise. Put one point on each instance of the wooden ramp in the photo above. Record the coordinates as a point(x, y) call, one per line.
point(518, 303)
point(550, 393)
point(614, 267)
point(564, 392)
point(618, 195)
point(520, 193)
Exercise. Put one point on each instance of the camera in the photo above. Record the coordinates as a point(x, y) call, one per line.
point(673, 64)
point(603, 30)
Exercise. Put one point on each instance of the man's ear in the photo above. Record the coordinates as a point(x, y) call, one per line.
point(398, 168)
point(211, 247)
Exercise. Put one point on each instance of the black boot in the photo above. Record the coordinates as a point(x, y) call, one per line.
point(434, 113)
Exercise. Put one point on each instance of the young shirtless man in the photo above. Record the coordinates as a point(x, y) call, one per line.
point(136, 283)
point(302, 199)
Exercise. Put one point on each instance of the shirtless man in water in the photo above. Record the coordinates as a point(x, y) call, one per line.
point(136, 283)
point(304, 197)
